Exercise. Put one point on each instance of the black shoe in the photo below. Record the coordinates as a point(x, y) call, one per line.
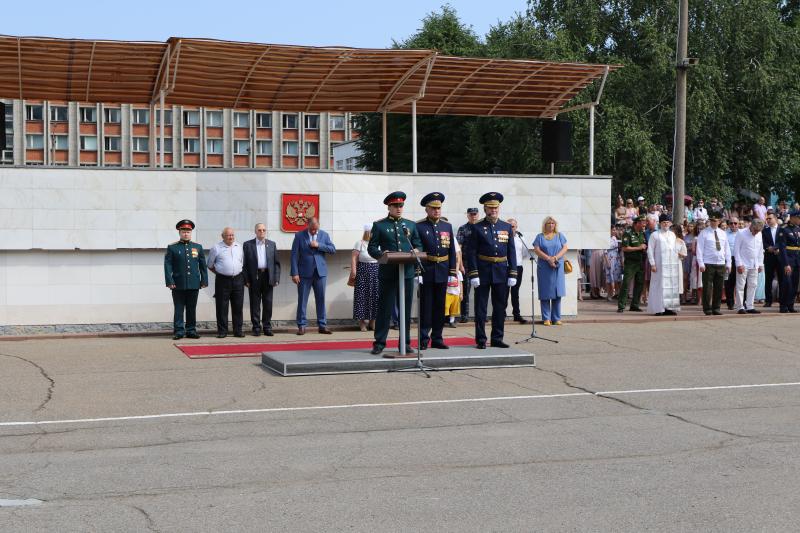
point(670, 312)
point(192, 336)
point(256, 334)
point(753, 312)
point(521, 320)
point(635, 309)
point(221, 335)
point(716, 312)
point(792, 310)
point(410, 349)
point(240, 335)
point(451, 324)
point(177, 337)
point(481, 345)
point(463, 320)
point(439, 345)
point(376, 350)
point(768, 304)
point(730, 308)
point(499, 344)
point(741, 312)
point(620, 310)
point(658, 314)
point(268, 332)
point(784, 310)
point(423, 346)
point(394, 326)
point(324, 331)
point(707, 313)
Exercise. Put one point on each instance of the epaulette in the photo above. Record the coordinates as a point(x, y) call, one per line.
point(420, 221)
point(176, 242)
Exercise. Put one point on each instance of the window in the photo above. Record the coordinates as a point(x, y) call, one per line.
point(140, 144)
point(289, 147)
point(113, 115)
point(167, 145)
point(167, 117)
point(34, 112)
point(58, 113)
point(213, 146)
point(337, 122)
point(191, 146)
point(34, 142)
point(141, 116)
point(60, 142)
point(312, 148)
point(89, 114)
point(241, 147)
point(112, 144)
point(312, 122)
point(264, 147)
point(340, 165)
point(354, 122)
point(88, 142)
point(290, 122)
point(263, 120)
point(214, 119)
point(191, 118)
point(241, 120)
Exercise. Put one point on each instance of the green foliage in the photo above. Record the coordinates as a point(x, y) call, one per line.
point(743, 127)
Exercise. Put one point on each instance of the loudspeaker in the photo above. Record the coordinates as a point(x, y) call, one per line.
point(557, 141)
point(2, 126)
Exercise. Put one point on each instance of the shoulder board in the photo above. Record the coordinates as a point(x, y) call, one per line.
point(444, 218)
point(481, 221)
point(176, 242)
point(420, 221)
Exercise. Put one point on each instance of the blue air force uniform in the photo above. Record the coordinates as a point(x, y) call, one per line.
point(438, 242)
point(185, 273)
point(491, 259)
point(788, 243)
point(388, 235)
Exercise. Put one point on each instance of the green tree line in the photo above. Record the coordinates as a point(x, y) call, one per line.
point(743, 129)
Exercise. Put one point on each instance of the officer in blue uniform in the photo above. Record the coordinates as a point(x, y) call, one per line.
point(185, 273)
point(438, 242)
point(788, 243)
point(389, 235)
point(491, 268)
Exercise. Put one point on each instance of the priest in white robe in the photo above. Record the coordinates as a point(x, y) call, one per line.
point(665, 276)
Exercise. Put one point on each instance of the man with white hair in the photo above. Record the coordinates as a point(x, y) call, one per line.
point(226, 261)
point(748, 252)
point(665, 276)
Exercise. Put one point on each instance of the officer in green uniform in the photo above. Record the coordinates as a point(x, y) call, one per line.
point(634, 245)
point(185, 273)
point(393, 234)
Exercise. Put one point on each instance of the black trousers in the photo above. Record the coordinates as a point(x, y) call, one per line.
point(514, 293)
point(184, 300)
point(431, 311)
point(730, 285)
point(713, 279)
point(229, 291)
point(789, 288)
point(772, 270)
point(466, 288)
point(498, 292)
point(261, 297)
point(388, 296)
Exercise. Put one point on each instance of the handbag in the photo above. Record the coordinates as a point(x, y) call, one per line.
point(567, 267)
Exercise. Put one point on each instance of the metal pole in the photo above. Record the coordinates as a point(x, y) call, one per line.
point(402, 307)
point(414, 136)
point(679, 163)
point(591, 140)
point(161, 132)
point(385, 155)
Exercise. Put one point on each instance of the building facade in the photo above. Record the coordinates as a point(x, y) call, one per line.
point(75, 134)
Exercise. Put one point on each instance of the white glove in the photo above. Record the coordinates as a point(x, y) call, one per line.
point(451, 279)
point(512, 282)
point(419, 279)
point(475, 282)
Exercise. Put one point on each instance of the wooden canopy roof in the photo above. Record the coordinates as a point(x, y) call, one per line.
point(287, 78)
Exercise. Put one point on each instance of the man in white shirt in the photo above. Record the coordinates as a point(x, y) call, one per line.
point(700, 212)
point(714, 261)
point(760, 209)
point(226, 261)
point(523, 255)
point(749, 255)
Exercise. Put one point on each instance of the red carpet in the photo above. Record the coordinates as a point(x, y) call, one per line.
point(211, 351)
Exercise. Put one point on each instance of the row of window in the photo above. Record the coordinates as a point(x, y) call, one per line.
point(190, 146)
point(112, 115)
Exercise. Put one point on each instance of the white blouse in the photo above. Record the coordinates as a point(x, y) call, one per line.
point(363, 256)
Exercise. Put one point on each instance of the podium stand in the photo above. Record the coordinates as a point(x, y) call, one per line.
point(401, 259)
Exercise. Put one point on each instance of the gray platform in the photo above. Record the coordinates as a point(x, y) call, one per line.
point(313, 362)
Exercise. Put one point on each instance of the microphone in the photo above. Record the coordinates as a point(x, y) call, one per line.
point(405, 230)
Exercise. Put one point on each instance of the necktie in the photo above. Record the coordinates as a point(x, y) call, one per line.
point(716, 238)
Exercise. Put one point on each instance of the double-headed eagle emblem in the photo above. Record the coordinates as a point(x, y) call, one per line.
point(299, 211)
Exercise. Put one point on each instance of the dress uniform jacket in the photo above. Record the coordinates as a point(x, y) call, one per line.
point(491, 256)
point(788, 243)
point(388, 236)
point(438, 243)
point(185, 266)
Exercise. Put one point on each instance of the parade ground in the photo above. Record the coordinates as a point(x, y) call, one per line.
point(660, 425)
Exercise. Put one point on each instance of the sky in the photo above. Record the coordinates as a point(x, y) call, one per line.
point(352, 23)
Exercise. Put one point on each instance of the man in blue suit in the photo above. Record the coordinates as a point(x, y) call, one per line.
point(310, 271)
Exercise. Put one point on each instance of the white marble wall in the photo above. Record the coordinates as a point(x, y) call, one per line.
point(84, 246)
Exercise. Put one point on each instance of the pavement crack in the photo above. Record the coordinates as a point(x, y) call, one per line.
point(45, 375)
point(151, 526)
point(709, 428)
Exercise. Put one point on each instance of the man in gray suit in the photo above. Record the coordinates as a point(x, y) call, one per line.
point(262, 272)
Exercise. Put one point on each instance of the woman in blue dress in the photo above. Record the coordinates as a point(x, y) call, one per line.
point(550, 247)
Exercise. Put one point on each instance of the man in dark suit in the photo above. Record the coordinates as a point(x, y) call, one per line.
point(262, 272)
point(310, 271)
point(772, 263)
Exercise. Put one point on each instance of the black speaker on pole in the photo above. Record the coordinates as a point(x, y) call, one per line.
point(2, 126)
point(557, 141)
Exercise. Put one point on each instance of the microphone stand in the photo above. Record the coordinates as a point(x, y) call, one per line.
point(533, 334)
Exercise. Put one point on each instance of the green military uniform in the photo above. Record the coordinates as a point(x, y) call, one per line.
point(633, 269)
point(388, 235)
point(185, 272)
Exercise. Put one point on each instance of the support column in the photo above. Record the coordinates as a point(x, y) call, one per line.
point(591, 140)
point(383, 139)
point(679, 164)
point(161, 129)
point(414, 136)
